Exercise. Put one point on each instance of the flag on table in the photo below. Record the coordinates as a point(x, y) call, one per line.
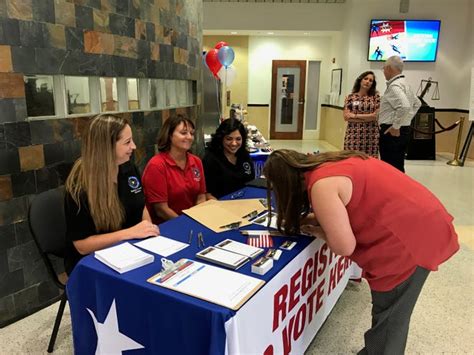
point(263, 240)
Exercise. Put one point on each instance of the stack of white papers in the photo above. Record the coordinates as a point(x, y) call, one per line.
point(161, 245)
point(123, 257)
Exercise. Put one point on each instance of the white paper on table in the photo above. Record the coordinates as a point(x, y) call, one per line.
point(223, 256)
point(123, 257)
point(162, 245)
point(239, 248)
point(256, 232)
point(224, 287)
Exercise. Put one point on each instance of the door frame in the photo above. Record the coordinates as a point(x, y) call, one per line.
point(301, 64)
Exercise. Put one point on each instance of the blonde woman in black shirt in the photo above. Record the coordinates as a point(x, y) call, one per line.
point(227, 163)
point(104, 201)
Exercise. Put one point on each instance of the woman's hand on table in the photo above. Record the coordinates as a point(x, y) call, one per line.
point(144, 229)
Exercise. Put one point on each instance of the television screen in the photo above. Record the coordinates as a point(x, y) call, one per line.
point(412, 40)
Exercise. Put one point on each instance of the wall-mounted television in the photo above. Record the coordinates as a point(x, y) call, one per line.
point(412, 40)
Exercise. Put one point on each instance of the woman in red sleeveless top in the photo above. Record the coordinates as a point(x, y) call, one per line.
point(394, 228)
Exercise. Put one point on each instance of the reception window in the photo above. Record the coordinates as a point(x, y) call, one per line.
point(132, 91)
point(55, 96)
point(78, 95)
point(39, 95)
point(108, 95)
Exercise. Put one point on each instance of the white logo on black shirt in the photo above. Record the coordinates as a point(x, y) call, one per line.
point(247, 168)
point(134, 184)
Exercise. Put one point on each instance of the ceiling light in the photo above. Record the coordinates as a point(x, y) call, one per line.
point(233, 33)
point(270, 33)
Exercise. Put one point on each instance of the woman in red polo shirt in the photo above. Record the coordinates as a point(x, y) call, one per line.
point(173, 179)
point(394, 228)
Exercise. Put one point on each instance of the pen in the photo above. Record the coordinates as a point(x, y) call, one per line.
point(201, 240)
point(190, 236)
point(259, 217)
point(237, 194)
point(233, 225)
point(251, 215)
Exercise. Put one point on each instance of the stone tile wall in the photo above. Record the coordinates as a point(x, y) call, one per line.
point(133, 38)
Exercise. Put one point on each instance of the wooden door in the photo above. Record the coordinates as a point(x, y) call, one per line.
point(288, 93)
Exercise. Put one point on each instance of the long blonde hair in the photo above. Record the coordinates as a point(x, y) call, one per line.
point(95, 171)
point(284, 171)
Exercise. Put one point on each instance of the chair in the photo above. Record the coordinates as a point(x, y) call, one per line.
point(48, 227)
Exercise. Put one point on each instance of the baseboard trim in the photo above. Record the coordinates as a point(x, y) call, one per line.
point(30, 312)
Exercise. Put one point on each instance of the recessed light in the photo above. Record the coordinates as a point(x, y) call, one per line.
point(233, 33)
point(270, 33)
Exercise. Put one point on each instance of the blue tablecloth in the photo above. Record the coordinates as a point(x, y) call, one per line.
point(160, 320)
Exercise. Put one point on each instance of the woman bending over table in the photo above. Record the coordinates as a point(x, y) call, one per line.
point(394, 228)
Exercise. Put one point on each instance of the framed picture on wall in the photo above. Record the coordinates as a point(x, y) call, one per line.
point(336, 81)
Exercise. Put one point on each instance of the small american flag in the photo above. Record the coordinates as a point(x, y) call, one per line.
point(263, 240)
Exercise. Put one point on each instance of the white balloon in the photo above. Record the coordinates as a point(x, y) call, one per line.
point(227, 75)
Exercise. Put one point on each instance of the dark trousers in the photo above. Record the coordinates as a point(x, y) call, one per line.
point(391, 312)
point(392, 149)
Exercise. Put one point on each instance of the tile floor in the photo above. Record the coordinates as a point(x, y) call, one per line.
point(443, 321)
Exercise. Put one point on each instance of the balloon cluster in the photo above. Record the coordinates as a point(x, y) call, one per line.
point(219, 60)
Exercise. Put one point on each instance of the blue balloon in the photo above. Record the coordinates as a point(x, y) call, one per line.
point(226, 56)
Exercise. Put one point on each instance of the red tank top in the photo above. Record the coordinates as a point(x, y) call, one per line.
point(397, 222)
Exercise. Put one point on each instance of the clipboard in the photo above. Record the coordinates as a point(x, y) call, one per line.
point(215, 215)
point(210, 283)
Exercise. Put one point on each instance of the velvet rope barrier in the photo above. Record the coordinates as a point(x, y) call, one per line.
point(443, 129)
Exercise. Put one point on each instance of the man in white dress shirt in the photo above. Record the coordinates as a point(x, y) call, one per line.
point(397, 108)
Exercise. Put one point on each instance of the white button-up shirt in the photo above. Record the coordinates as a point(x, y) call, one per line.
point(398, 104)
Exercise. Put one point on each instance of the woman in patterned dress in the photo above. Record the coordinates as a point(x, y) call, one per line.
point(361, 109)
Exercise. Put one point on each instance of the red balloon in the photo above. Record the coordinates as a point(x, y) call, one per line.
point(213, 62)
point(220, 44)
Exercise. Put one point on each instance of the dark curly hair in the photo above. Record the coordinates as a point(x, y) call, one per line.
point(373, 88)
point(225, 128)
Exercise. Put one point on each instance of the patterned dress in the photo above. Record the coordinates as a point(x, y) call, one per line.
point(362, 136)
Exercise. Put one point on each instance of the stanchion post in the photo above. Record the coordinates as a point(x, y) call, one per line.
point(467, 144)
point(456, 161)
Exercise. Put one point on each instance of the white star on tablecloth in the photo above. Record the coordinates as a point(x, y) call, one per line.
point(109, 338)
